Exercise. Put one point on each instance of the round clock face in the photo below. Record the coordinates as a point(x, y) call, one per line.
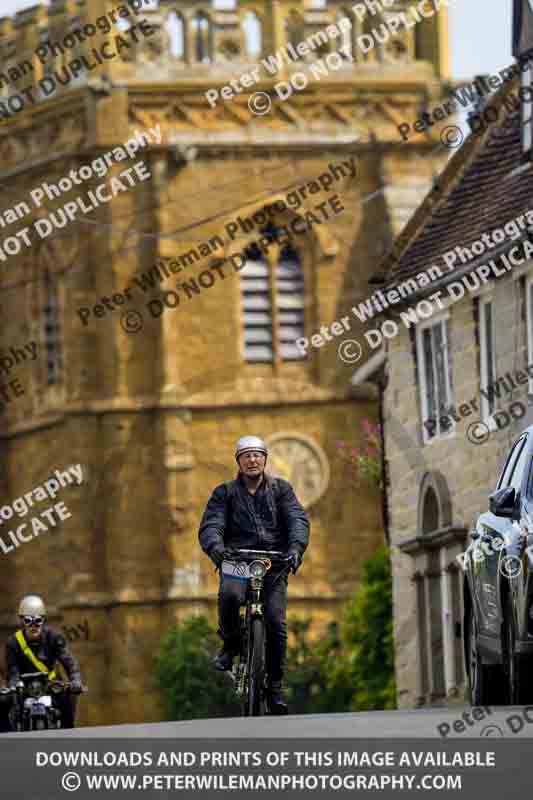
point(300, 461)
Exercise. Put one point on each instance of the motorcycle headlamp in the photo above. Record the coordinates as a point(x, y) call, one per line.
point(35, 689)
point(258, 569)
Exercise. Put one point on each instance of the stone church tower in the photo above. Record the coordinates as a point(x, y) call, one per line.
point(162, 332)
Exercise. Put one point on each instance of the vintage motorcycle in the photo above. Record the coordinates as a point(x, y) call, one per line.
point(34, 707)
point(248, 673)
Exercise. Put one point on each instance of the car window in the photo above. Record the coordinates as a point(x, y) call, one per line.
point(506, 474)
point(518, 471)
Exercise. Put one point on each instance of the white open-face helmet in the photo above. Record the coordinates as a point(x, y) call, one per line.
point(247, 443)
point(32, 606)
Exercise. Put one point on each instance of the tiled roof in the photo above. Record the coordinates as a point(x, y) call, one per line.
point(476, 193)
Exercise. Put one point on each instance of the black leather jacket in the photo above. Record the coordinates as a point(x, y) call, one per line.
point(51, 647)
point(272, 519)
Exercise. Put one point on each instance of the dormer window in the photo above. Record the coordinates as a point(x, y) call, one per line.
point(522, 28)
point(523, 52)
point(526, 99)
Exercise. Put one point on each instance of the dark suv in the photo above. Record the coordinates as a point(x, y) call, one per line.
point(498, 587)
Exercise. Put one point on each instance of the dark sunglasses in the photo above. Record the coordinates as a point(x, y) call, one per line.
point(27, 620)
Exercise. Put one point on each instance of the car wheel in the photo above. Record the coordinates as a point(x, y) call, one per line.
point(485, 681)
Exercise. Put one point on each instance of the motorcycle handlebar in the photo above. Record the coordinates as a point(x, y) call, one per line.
point(253, 555)
point(55, 684)
point(275, 556)
point(67, 686)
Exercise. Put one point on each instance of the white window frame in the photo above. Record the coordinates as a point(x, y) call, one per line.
point(486, 413)
point(440, 319)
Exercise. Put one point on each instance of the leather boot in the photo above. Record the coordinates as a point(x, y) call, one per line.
point(224, 660)
point(277, 705)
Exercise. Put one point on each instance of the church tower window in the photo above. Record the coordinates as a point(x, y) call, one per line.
point(51, 330)
point(272, 305)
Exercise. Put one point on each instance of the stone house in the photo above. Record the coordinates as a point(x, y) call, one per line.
point(459, 372)
point(150, 397)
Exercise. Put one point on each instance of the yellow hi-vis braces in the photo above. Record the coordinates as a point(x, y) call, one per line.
point(19, 636)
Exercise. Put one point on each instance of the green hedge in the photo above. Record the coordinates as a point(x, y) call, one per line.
point(191, 688)
point(364, 674)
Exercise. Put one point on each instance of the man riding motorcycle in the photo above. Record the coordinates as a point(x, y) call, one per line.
point(35, 648)
point(255, 511)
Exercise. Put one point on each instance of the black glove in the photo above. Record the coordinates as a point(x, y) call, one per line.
point(75, 686)
point(216, 554)
point(295, 559)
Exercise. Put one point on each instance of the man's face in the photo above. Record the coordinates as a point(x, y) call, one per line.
point(32, 627)
point(252, 463)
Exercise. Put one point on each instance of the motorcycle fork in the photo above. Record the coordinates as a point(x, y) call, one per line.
point(251, 608)
point(242, 664)
point(21, 719)
point(256, 605)
point(255, 610)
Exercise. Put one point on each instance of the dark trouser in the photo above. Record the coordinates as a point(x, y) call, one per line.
point(65, 703)
point(5, 705)
point(230, 597)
